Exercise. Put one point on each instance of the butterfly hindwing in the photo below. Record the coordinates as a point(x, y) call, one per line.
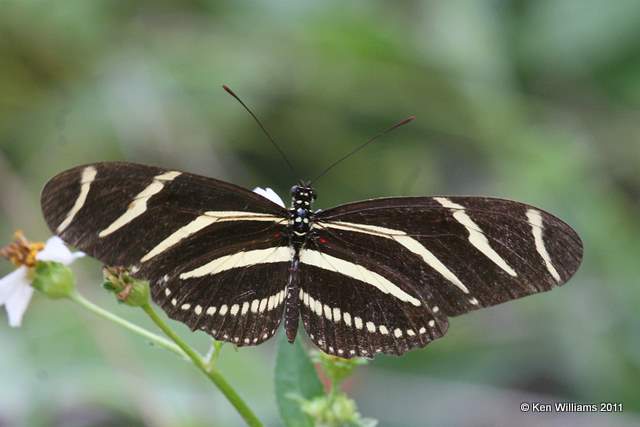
point(350, 310)
point(225, 296)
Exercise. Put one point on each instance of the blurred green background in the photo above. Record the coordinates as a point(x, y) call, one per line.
point(533, 101)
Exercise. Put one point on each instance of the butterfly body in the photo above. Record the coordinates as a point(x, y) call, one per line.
point(299, 229)
point(376, 276)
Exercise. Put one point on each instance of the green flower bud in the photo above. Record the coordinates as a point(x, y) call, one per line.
point(337, 369)
point(53, 279)
point(334, 411)
point(108, 286)
point(128, 289)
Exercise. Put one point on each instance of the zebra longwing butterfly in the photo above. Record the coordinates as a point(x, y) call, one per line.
point(376, 276)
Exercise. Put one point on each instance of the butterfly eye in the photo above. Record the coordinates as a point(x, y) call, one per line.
point(294, 190)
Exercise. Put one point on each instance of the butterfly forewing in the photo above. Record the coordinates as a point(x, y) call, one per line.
point(118, 212)
point(470, 252)
point(164, 224)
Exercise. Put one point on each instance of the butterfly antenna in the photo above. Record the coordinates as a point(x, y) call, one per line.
point(354, 151)
point(264, 130)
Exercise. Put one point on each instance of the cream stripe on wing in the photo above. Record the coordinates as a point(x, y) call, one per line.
point(355, 271)
point(476, 236)
point(241, 259)
point(204, 221)
point(535, 219)
point(309, 257)
point(139, 204)
point(88, 176)
point(403, 239)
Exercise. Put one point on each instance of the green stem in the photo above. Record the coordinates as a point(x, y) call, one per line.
point(156, 339)
point(214, 353)
point(333, 392)
point(209, 370)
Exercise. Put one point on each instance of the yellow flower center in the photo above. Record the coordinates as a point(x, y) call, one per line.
point(21, 252)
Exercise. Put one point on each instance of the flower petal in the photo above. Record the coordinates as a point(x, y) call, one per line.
point(56, 250)
point(17, 304)
point(269, 194)
point(11, 282)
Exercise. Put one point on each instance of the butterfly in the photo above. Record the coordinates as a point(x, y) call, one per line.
point(375, 276)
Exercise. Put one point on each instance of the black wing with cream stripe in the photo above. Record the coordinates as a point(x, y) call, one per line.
point(231, 299)
point(466, 252)
point(118, 212)
point(165, 223)
point(366, 308)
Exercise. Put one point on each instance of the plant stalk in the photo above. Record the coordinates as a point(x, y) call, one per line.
point(155, 339)
point(209, 370)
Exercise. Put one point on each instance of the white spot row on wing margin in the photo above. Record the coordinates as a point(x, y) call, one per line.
point(336, 315)
point(255, 306)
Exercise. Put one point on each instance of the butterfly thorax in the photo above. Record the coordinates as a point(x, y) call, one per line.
point(300, 213)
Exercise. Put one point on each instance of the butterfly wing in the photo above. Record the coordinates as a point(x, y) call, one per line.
point(363, 306)
point(165, 224)
point(422, 259)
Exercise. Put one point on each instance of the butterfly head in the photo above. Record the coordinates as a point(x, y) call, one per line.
point(302, 195)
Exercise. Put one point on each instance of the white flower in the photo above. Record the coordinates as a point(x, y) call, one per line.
point(269, 194)
point(15, 294)
point(56, 250)
point(15, 287)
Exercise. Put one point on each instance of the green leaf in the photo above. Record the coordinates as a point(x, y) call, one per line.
point(296, 379)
